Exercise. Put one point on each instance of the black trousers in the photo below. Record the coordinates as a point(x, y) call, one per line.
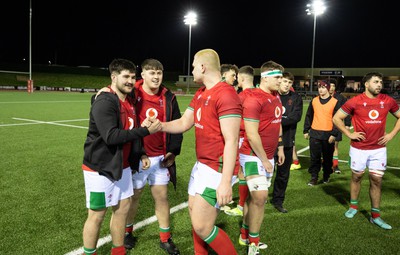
point(282, 177)
point(318, 148)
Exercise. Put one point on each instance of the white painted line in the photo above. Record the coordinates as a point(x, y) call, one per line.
point(50, 123)
point(44, 102)
point(35, 123)
point(138, 225)
point(19, 124)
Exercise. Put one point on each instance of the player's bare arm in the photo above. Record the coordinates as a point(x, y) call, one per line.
point(180, 125)
point(281, 153)
point(230, 131)
point(338, 120)
point(387, 137)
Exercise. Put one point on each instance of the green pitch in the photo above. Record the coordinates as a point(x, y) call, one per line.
point(43, 201)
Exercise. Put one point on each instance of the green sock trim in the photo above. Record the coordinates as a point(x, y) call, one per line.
point(164, 230)
point(88, 251)
point(242, 182)
point(129, 225)
point(254, 234)
point(113, 246)
point(353, 201)
point(212, 235)
point(375, 210)
point(335, 157)
point(245, 226)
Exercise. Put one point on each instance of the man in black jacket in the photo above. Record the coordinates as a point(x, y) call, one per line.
point(111, 150)
point(292, 108)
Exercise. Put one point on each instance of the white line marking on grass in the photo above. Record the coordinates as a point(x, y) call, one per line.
point(35, 123)
point(102, 241)
point(50, 123)
point(43, 102)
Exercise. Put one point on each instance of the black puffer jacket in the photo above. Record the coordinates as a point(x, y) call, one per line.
point(105, 139)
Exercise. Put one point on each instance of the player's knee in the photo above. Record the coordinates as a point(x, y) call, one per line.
point(358, 172)
point(376, 173)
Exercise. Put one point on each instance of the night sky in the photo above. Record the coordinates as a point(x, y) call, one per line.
point(351, 33)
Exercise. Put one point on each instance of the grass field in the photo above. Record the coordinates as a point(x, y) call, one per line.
point(43, 201)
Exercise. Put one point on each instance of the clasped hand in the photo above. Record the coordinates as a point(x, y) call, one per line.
point(152, 124)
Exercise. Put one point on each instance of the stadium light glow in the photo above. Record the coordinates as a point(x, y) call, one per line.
point(189, 19)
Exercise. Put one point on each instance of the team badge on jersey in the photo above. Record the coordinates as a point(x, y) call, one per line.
point(283, 109)
point(151, 112)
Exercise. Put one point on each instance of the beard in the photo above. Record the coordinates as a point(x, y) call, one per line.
point(374, 92)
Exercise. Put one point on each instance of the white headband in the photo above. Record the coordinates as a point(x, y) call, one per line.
point(271, 73)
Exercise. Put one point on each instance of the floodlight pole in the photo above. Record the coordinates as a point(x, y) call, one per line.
point(190, 19)
point(30, 81)
point(188, 69)
point(312, 55)
point(316, 8)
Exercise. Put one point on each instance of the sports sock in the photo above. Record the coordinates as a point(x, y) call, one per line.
point(243, 192)
point(200, 247)
point(220, 242)
point(354, 204)
point(120, 250)
point(88, 251)
point(296, 161)
point(165, 234)
point(375, 212)
point(129, 228)
point(244, 231)
point(335, 161)
point(254, 238)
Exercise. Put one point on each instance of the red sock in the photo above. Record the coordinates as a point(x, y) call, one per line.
point(244, 232)
point(222, 244)
point(254, 240)
point(296, 161)
point(335, 162)
point(164, 236)
point(118, 250)
point(200, 247)
point(375, 213)
point(129, 228)
point(243, 193)
point(354, 204)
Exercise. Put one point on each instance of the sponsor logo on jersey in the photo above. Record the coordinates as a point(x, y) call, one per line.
point(151, 112)
point(198, 118)
point(131, 123)
point(373, 115)
point(277, 112)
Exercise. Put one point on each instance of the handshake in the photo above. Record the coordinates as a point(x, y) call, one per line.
point(152, 124)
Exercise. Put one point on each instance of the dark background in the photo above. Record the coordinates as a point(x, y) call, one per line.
point(351, 33)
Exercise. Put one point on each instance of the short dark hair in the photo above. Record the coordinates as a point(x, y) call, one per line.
point(368, 76)
point(152, 63)
point(288, 75)
point(119, 64)
point(227, 67)
point(249, 70)
point(271, 65)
